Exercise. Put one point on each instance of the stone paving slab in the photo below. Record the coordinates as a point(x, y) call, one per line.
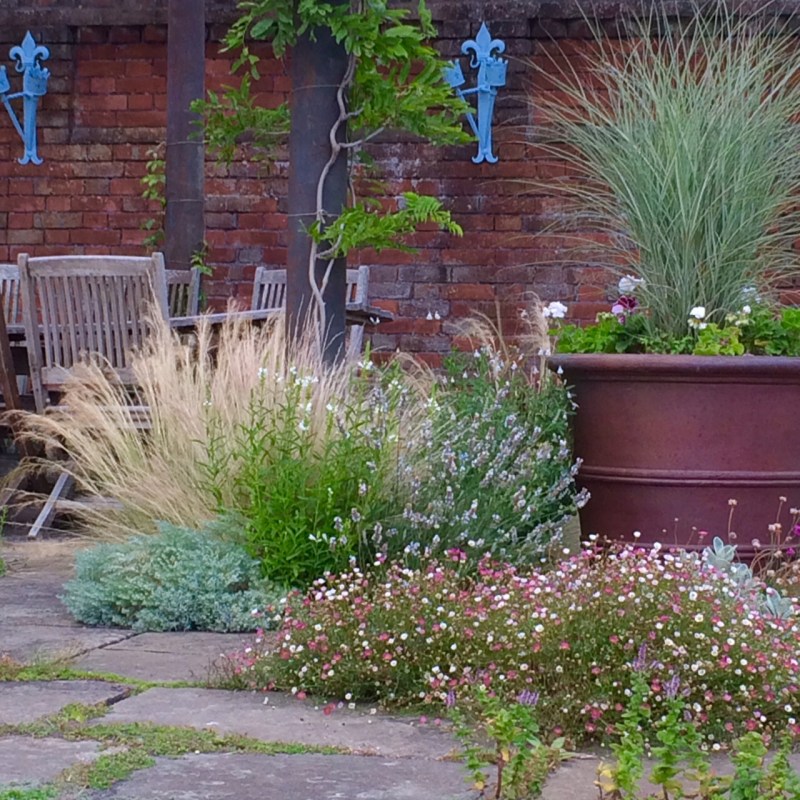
point(27, 701)
point(32, 598)
point(46, 643)
point(34, 623)
point(284, 719)
point(184, 656)
point(297, 777)
point(26, 760)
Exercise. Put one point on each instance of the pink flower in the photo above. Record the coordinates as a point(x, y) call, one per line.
point(624, 307)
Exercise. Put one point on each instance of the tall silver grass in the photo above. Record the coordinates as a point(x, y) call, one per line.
point(688, 137)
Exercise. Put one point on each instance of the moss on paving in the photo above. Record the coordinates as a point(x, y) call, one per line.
point(106, 770)
point(11, 670)
point(28, 793)
point(133, 746)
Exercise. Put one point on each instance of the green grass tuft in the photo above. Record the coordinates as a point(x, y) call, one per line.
point(28, 793)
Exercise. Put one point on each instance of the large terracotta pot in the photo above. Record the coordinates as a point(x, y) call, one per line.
point(667, 441)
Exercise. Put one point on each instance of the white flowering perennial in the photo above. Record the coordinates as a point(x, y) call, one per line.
point(628, 284)
point(498, 477)
point(555, 310)
point(697, 318)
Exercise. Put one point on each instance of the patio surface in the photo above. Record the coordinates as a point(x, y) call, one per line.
point(381, 757)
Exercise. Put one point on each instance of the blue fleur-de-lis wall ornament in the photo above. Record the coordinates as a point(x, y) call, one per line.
point(29, 59)
point(491, 76)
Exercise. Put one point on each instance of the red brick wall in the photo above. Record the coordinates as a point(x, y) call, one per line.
point(106, 109)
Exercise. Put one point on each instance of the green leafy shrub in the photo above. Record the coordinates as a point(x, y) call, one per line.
point(177, 579)
point(681, 757)
point(520, 761)
point(756, 328)
point(315, 466)
point(569, 633)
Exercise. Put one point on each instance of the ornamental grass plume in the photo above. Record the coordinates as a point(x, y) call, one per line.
point(200, 396)
point(683, 155)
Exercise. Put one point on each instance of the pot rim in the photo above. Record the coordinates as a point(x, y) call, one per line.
point(641, 365)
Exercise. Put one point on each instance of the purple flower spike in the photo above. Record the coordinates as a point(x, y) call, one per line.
point(671, 687)
point(528, 698)
point(640, 662)
point(450, 701)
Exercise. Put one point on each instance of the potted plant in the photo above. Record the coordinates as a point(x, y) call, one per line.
point(684, 155)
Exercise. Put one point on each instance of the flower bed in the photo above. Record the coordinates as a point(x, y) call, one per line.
point(570, 634)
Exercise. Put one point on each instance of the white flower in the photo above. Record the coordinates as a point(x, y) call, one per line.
point(554, 310)
point(697, 318)
point(746, 309)
point(628, 284)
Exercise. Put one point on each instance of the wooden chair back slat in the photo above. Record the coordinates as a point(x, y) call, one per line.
point(9, 288)
point(269, 293)
point(183, 291)
point(357, 293)
point(75, 307)
point(269, 288)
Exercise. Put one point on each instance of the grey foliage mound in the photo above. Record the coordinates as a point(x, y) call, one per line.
point(178, 579)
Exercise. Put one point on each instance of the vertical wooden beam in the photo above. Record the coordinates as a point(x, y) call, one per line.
point(185, 186)
point(318, 66)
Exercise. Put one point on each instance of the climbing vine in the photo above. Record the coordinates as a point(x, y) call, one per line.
point(393, 81)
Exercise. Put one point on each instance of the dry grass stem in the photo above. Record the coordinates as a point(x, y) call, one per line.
point(195, 393)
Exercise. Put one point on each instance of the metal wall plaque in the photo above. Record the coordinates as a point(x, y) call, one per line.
point(491, 76)
point(29, 57)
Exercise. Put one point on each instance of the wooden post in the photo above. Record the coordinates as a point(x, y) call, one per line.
point(317, 69)
point(185, 178)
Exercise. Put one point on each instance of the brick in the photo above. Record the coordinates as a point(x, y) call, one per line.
point(25, 236)
point(585, 311)
point(57, 219)
point(92, 169)
point(390, 291)
point(57, 236)
point(20, 220)
point(95, 237)
point(58, 204)
point(469, 291)
point(406, 325)
point(103, 85)
point(154, 33)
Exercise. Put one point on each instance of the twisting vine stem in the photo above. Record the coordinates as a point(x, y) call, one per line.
point(393, 81)
point(329, 254)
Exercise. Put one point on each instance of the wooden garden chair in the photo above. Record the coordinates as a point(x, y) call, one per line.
point(9, 288)
point(80, 308)
point(269, 293)
point(183, 292)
